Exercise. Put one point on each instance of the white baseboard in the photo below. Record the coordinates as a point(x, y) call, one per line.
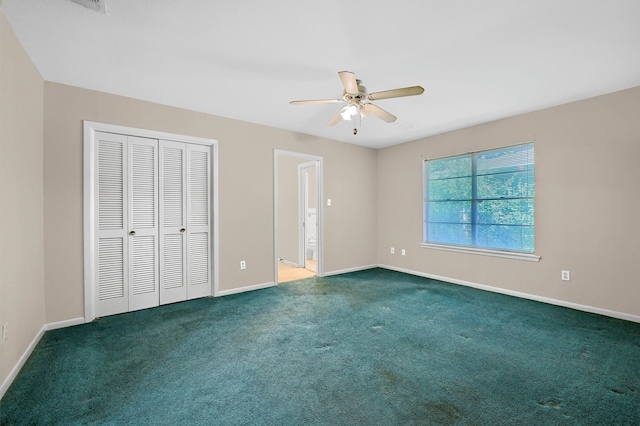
point(291, 263)
point(346, 271)
point(16, 368)
point(27, 353)
point(563, 303)
point(247, 288)
point(65, 323)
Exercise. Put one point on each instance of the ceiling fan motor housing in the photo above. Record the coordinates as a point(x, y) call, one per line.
point(357, 97)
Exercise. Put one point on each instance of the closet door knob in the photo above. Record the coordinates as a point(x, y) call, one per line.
point(132, 233)
point(183, 230)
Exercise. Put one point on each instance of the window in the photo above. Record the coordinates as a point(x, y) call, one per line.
point(482, 200)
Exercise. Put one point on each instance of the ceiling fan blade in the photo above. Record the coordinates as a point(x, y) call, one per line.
point(349, 82)
point(378, 112)
point(336, 118)
point(317, 101)
point(396, 93)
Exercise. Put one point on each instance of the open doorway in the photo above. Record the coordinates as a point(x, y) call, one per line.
point(307, 215)
point(297, 215)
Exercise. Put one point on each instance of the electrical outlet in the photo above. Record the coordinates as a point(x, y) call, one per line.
point(5, 330)
point(328, 201)
point(566, 276)
point(404, 253)
point(243, 264)
point(393, 251)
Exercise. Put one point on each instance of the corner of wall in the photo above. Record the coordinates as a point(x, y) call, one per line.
point(22, 301)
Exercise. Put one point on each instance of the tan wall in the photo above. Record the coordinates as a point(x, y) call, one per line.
point(357, 237)
point(587, 200)
point(245, 171)
point(22, 298)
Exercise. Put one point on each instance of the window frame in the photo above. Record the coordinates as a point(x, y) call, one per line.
point(510, 254)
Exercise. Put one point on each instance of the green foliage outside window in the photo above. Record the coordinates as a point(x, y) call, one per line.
point(483, 199)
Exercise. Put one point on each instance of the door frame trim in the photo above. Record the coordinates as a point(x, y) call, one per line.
point(89, 214)
point(319, 210)
point(302, 211)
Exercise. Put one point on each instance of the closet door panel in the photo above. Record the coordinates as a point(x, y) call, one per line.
point(173, 221)
point(198, 221)
point(143, 223)
point(153, 223)
point(111, 294)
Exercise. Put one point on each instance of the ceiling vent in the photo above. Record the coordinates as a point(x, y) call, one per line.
point(92, 4)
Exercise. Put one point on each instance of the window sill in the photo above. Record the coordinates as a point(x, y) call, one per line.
point(484, 252)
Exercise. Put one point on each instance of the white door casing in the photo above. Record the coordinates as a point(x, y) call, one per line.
point(308, 225)
point(277, 153)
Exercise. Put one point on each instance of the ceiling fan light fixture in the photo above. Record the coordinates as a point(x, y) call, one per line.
point(349, 111)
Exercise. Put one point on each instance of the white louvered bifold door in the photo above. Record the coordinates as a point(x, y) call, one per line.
point(198, 221)
point(153, 227)
point(111, 239)
point(173, 221)
point(143, 223)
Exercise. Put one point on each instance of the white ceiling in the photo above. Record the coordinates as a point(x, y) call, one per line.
point(478, 60)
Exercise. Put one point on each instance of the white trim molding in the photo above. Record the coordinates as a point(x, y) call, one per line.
point(245, 289)
point(290, 263)
point(16, 368)
point(548, 300)
point(346, 271)
point(303, 196)
point(485, 252)
point(27, 353)
point(64, 324)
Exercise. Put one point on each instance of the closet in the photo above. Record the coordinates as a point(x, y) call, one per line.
point(152, 222)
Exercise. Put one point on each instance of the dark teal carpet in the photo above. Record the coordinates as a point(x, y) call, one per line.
point(367, 348)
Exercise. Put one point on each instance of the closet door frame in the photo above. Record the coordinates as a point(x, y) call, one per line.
point(90, 208)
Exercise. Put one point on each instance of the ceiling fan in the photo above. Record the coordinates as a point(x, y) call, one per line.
point(355, 95)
